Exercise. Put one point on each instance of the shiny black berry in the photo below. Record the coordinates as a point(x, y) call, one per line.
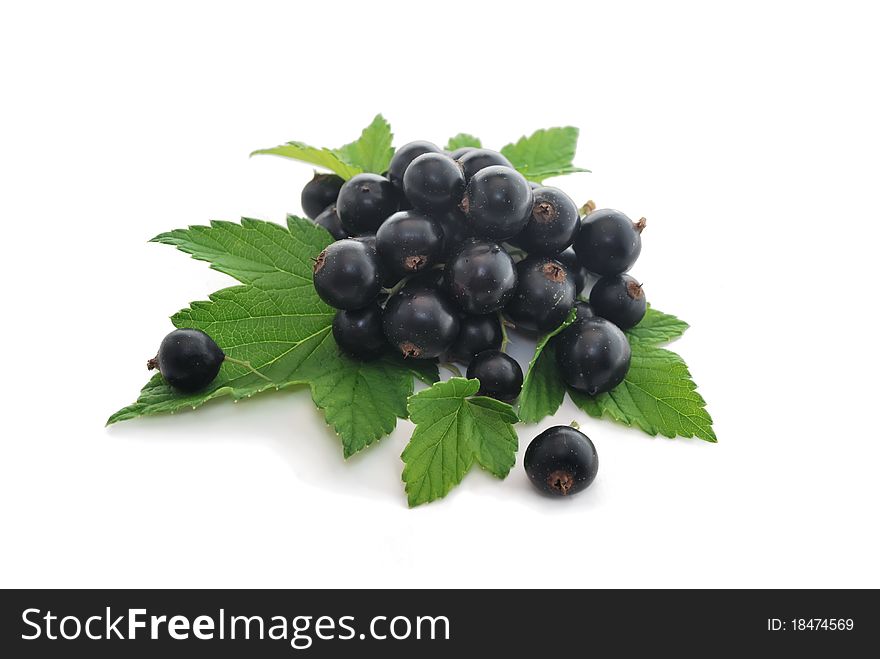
point(358, 332)
point(364, 202)
point(545, 293)
point(433, 183)
point(404, 156)
point(348, 274)
point(561, 461)
point(477, 159)
point(409, 242)
point(498, 202)
point(552, 225)
point(569, 259)
point(188, 359)
point(500, 375)
point(593, 355)
point(480, 277)
point(455, 230)
point(582, 310)
point(319, 193)
point(329, 219)
point(608, 242)
point(620, 299)
point(420, 322)
point(476, 334)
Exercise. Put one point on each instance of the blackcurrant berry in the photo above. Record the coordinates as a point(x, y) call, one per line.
point(348, 274)
point(319, 193)
point(608, 242)
point(498, 202)
point(500, 375)
point(329, 219)
point(364, 202)
point(480, 277)
point(409, 242)
point(460, 151)
point(404, 156)
point(593, 355)
point(358, 332)
point(420, 322)
point(582, 310)
point(476, 334)
point(188, 359)
point(569, 259)
point(552, 225)
point(477, 159)
point(561, 461)
point(455, 230)
point(434, 183)
point(619, 299)
point(545, 293)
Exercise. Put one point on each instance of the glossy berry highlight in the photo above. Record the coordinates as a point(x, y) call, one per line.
point(364, 202)
point(409, 242)
point(319, 193)
point(480, 277)
point(498, 202)
point(609, 243)
point(552, 225)
point(545, 293)
point(561, 461)
point(420, 323)
point(593, 355)
point(434, 183)
point(347, 274)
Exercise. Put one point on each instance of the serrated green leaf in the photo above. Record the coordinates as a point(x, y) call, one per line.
point(545, 153)
point(543, 390)
point(325, 158)
point(372, 151)
point(278, 324)
point(454, 429)
point(658, 396)
point(462, 139)
point(656, 328)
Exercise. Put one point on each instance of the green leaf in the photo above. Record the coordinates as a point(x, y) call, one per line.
point(658, 396)
point(462, 139)
point(543, 390)
point(276, 322)
point(545, 153)
point(656, 328)
point(325, 158)
point(372, 151)
point(454, 429)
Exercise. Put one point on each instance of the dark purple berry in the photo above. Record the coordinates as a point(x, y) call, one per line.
point(188, 359)
point(620, 299)
point(348, 275)
point(434, 183)
point(420, 322)
point(358, 332)
point(545, 293)
point(364, 202)
point(404, 156)
point(477, 159)
point(409, 242)
point(319, 193)
point(500, 375)
point(476, 334)
point(329, 219)
point(608, 242)
point(593, 355)
point(561, 461)
point(569, 259)
point(552, 225)
point(460, 151)
point(480, 277)
point(498, 202)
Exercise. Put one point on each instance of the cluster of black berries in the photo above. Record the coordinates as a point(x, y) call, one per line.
point(430, 257)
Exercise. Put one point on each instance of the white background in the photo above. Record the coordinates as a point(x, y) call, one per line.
point(746, 134)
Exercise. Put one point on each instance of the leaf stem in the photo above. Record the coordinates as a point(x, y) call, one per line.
point(504, 338)
point(397, 287)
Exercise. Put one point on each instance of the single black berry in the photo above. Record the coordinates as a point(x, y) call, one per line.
point(358, 332)
point(434, 183)
point(408, 242)
point(329, 219)
point(404, 156)
point(569, 259)
point(608, 242)
point(498, 202)
point(545, 293)
point(582, 310)
point(561, 461)
point(477, 159)
point(420, 322)
point(620, 299)
point(348, 274)
point(364, 202)
point(480, 277)
point(319, 193)
point(593, 355)
point(188, 359)
point(460, 151)
point(499, 374)
point(552, 225)
point(476, 334)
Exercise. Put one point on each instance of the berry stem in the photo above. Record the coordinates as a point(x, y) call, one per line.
point(153, 364)
point(575, 425)
point(396, 288)
point(247, 365)
point(504, 337)
point(588, 208)
point(452, 368)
